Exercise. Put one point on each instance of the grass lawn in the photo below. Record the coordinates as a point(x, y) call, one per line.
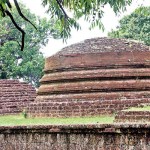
point(20, 120)
point(145, 108)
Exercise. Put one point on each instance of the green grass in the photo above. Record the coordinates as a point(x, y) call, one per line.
point(20, 120)
point(145, 108)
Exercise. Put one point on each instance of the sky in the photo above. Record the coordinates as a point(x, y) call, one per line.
point(110, 21)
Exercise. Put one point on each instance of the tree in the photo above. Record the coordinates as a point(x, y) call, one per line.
point(27, 64)
point(134, 26)
point(92, 10)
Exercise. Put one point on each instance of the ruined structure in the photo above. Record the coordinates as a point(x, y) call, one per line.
point(94, 77)
point(15, 96)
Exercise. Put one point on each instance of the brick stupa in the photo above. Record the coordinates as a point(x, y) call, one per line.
point(94, 77)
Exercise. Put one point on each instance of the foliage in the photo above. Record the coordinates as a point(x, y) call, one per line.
point(134, 26)
point(92, 10)
point(27, 64)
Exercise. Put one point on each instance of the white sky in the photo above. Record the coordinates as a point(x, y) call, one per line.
point(110, 21)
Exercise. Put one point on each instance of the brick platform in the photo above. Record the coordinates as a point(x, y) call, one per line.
point(133, 116)
point(97, 76)
point(15, 96)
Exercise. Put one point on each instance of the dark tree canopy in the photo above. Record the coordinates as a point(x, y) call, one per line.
point(91, 10)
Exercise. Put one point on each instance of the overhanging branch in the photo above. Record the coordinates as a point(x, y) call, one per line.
point(61, 7)
point(16, 25)
point(21, 14)
point(8, 4)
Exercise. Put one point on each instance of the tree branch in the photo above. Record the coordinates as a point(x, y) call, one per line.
point(64, 12)
point(8, 4)
point(15, 24)
point(21, 14)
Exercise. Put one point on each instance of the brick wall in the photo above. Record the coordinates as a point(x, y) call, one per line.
point(76, 137)
point(14, 96)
